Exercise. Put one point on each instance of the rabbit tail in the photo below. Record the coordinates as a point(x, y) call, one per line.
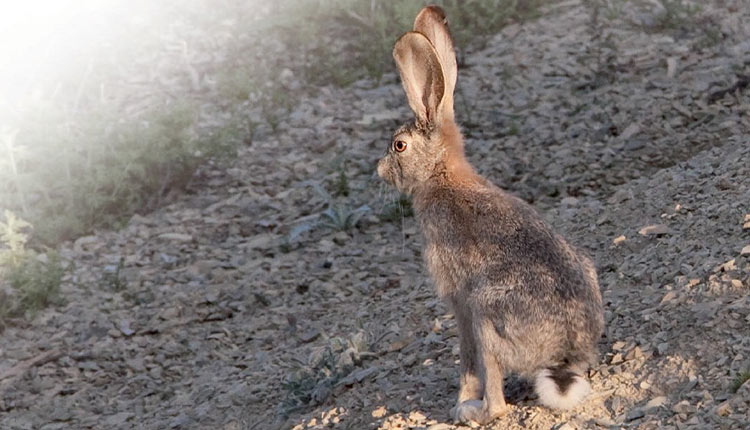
point(561, 387)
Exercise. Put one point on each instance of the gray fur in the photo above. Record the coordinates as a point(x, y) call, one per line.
point(524, 299)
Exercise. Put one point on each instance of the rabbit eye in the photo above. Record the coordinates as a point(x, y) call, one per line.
point(399, 146)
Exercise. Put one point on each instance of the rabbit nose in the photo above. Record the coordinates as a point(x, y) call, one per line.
point(381, 168)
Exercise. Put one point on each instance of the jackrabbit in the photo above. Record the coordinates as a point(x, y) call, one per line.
point(524, 299)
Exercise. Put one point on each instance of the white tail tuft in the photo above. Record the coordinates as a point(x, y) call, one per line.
point(550, 395)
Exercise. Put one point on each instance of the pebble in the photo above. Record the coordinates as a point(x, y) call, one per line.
point(619, 186)
point(634, 414)
point(724, 409)
point(683, 407)
point(656, 402)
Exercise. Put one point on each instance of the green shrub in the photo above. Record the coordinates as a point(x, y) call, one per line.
point(398, 210)
point(28, 281)
point(739, 381)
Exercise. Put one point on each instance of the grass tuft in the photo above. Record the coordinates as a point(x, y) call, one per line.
point(29, 281)
point(739, 381)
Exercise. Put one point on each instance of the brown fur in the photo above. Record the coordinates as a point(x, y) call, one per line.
point(524, 299)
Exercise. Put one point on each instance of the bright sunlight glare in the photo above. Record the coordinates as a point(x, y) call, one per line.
point(40, 38)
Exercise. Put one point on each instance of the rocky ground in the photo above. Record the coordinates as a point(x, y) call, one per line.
point(277, 295)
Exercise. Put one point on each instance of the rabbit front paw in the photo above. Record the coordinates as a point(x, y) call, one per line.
point(475, 410)
point(466, 411)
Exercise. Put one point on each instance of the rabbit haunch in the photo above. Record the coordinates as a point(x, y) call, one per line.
point(524, 299)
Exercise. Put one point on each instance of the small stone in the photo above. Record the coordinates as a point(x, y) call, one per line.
point(309, 335)
point(630, 131)
point(635, 414)
point(619, 239)
point(363, 374)
point(723, 409)
point(671, 67)
point(178, 237)
point(662, 348)
point(736, 283)
point(634, 353)
point(379, 412)
point(616, 359)
point(684, 407)
point(261, 241)
point(616, 404)
point(125, 328)
point(655, 230)
point(745, 250)
point(439, 426)
point(569, 201)
point(341, 238)
point(417, 417)
point(180, 421)
point(656, 402)
point(671, 295)
point(726, 267)
point(117, 419)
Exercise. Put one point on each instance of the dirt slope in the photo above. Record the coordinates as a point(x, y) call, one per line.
point(242, 307)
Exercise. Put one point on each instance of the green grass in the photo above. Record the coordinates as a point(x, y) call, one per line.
point(313, 382)
point(396, 211)
point(342, 217)
point(739, 380)
point(29, 281)
point(677, 14)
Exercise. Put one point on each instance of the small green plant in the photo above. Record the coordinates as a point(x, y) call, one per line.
point(312, 383)
point(342, 217)
point(113, 279)
point(677, 14)
point(341, 186)
point(13, 237)
point(397, 210)
point(513, 129)
point(28, 281)
point(739, 380)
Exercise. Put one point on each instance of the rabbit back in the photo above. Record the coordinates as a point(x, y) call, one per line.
point(492, 254)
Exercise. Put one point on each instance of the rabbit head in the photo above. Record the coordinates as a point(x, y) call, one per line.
point(432, 143)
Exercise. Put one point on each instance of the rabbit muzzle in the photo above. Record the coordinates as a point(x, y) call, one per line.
point(384, 172)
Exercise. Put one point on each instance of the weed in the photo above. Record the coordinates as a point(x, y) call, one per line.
point(113, 279)
point(313, 382)
point(398, 210)
point(342, 217)
point(33, 281)
point(676, 15)
point(341, 185)
point(36, 282)
point(513, 129)
point(739, 381)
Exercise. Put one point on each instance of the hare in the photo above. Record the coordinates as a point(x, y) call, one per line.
point(524, 300)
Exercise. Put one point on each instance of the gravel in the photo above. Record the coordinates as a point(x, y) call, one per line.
point(242, 306)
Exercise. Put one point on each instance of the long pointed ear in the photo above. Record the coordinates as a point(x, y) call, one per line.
point(432, 22)
point(421, 75)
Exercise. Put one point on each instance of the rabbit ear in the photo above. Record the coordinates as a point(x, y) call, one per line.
point(432, 22)
point(421, 75)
